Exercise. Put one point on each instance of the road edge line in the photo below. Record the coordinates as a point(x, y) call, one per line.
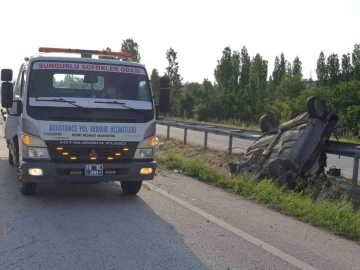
point(257, 242)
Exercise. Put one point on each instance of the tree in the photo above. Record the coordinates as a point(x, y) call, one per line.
point(346, 68)
point(245, 68)
point(236, 65)
point(206, 91)
point(276, 72)
point(288, 69)
point(256, 91)
point(282, 67)
point(191, 87)
point(223, 73)
point(206, 106)
point(290, 87)
point(173, 68)
point(130, 46)
point(226, 77)
point(297, 66)
point(356, 61)
point(187, 102)
point(172, 71)
point(333, 69)
point(321, 70)
point(270, 89)
point(155, 84)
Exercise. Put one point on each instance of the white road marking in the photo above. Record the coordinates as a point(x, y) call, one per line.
point(271, 249)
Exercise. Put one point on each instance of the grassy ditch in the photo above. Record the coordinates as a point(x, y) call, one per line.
point(329, 207)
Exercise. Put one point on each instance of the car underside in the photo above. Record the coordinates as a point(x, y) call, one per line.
point(293, 149)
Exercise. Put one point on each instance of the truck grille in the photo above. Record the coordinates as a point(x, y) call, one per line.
point(91, 154)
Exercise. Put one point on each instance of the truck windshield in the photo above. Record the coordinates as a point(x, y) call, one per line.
point(84, 81)
point(68, 91)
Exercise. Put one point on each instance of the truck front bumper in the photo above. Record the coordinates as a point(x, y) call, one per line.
point(75, 173)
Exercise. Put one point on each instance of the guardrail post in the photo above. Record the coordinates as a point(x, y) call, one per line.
point(205, 139)
point(185, 135)
point(230, 143)
point(355, 171)
point(168, 132)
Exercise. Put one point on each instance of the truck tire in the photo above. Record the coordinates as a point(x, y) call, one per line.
point(14, 160)
point(11, 161)
point(17, 154)
point(267, 123)
point(131, 187)
point(27, 188)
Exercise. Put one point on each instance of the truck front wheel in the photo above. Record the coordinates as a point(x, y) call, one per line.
point(11, 159)
point(131, 187)
point(27, 188)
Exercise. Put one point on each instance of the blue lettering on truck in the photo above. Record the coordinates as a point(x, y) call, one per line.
point(66, 128)
point(123, 129)
point(93, 129)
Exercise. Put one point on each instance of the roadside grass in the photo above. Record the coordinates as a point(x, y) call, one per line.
point(349, 139)
point(238, 124)
point(320, 204)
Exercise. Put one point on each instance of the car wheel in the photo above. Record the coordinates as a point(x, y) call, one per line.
point(316, 108)
point(27, 188)
point(267, 123)
point(10, 158)
point(131, 187)
point(281, 170)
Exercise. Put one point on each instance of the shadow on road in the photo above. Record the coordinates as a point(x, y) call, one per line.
point(69, 226)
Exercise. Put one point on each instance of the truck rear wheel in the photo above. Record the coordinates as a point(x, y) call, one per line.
point(27, 188)
point(131, 187)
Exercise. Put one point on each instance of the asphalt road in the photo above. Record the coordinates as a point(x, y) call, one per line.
point(174, 223)
point(239, 145)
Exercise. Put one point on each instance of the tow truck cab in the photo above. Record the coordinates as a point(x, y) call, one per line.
point(75, 118)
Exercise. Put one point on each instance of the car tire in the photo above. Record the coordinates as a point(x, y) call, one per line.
point(316, 108)
point(267, 123)
point(27, 188)
point(131, 187)
point(10, 158)
point(282, 171)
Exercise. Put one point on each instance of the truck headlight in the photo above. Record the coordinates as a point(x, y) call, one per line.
point(144, 153)
point(37, 152)
point(34, 147)
point(145, 149)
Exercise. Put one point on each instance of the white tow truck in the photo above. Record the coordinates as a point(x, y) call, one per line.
point(75, 118)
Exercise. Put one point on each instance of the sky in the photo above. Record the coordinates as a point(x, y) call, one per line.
point(197, 30)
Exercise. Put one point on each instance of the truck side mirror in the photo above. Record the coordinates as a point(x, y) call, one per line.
point(164, 100)
point(164, 97)
point(6, 75)
point(7, 94)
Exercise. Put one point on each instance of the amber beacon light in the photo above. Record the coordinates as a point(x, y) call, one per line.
point(103, 52)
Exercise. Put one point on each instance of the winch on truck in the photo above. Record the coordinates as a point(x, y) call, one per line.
point(75, 118)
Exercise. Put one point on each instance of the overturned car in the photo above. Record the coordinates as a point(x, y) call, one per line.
point(294, 148)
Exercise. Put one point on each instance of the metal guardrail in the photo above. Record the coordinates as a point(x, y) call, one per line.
point(336, 148)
